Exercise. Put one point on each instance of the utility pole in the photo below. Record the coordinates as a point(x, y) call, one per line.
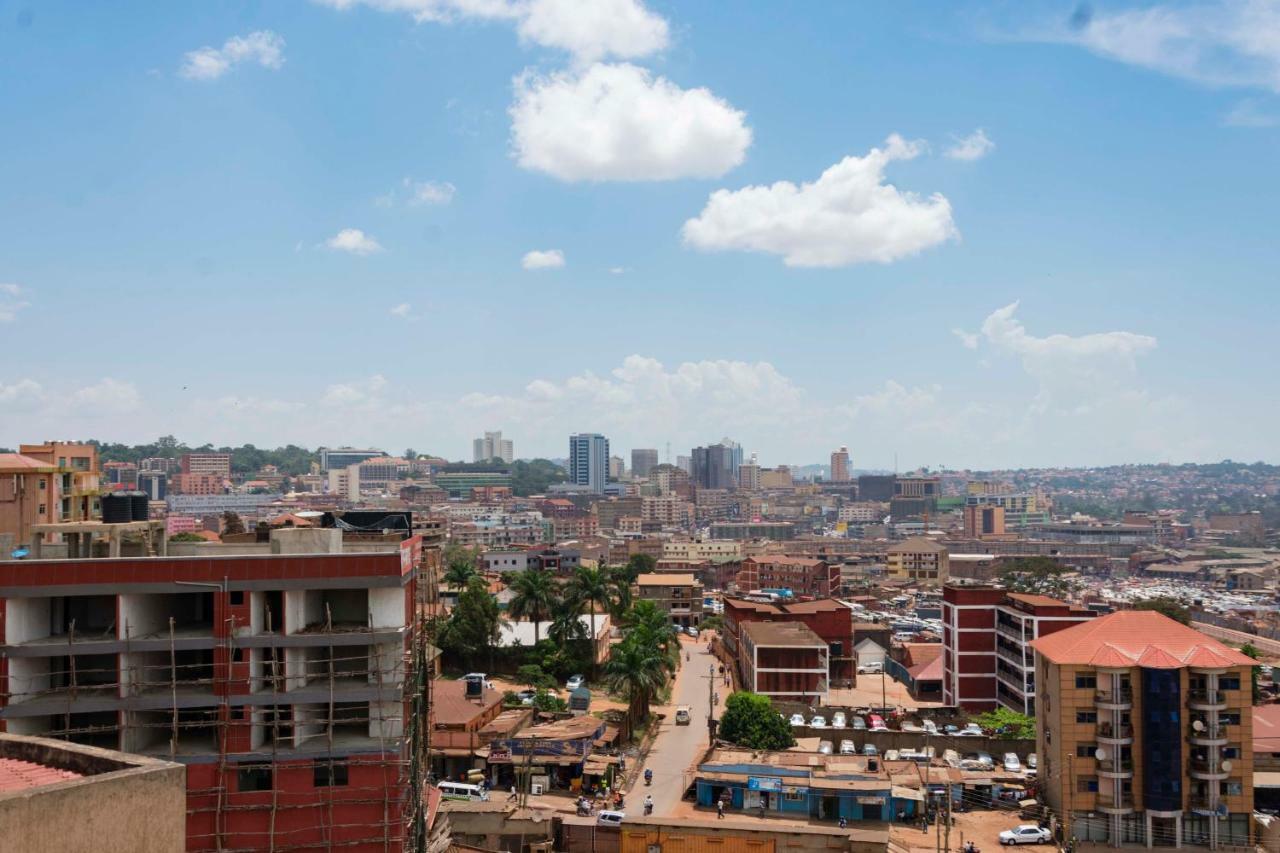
point(711, 700)
point(1066, 812)
point(946, 842)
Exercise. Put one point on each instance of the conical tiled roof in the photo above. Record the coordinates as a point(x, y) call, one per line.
point(1137, 638)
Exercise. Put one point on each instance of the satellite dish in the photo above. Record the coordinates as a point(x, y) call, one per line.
point(1226, 766)
point(1100, 754)
point(1197, 725)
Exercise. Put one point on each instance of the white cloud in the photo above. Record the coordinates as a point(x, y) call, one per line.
point(1250, 113)
point(967, 339)
point(209, 63)
point(617, 270)
point(353, 393)
point(848, 216)
point(430, 192)
point(549, 259)
point(975, 146)
point(404, 311)
point(21, 392)
point(619, 123)
point(107, 395)
point(1222, 43)
point(587, 29)
point(355, 241)
point(11, 302)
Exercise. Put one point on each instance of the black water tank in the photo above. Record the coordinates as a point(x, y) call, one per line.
point(475, 686)
point(138, 505)
point(116, 508)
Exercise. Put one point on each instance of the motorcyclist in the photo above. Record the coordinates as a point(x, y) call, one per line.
point(648, 777)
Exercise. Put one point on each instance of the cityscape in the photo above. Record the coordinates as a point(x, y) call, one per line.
point(627, 426)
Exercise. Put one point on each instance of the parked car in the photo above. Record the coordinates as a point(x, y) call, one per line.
point(951, 729)
point(877, 723)
point(797, 719)
point(859, 724)
point(908, 726)
point(987, 761)
point(1032, 761)
point(611, 818)
point(971, 730)
point(848, 747)
point(1026, 833)
point(1011, 763)
point(484, 679)
point(682, 715)
point(892, 755)
point(818, 722)
point(929, 726)
point(824, 747)
point(874, 668)
point(838, 720)
point(575, 681)
point(870, 750)
point(693, 632)
point(526, 696)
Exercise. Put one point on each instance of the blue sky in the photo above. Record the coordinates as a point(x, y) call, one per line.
point(400, 222)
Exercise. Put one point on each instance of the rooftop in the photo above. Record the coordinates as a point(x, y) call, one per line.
point(666, 579)
point(916, 545)
point(16, 774)
point(16, 463)
point(451, 707)
point(821, 605)
point(1137, 638)
point(782, 634)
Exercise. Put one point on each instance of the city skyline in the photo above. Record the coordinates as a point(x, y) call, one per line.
point(1049, 298)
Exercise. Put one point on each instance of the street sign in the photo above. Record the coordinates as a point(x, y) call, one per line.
point(764, 783)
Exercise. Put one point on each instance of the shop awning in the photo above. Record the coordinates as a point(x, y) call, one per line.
point(901, 793)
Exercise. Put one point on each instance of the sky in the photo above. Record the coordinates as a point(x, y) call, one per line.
point(960, 235)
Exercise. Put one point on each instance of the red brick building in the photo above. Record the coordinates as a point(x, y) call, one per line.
point(282, 682)
point(802, 575)
point(784, 661)
point(986, 637)
point(829, 619)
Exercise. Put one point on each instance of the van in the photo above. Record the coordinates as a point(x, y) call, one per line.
point(610, 818)
point(462, 791)
point(682, 715)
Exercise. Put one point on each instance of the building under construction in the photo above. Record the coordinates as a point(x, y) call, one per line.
point(288, 677)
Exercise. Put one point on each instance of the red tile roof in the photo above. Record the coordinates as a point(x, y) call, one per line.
point(451, 707)
point(16, 463)
point(17, 775)
point(1137, 638)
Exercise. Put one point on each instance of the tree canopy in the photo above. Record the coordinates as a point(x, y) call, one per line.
point(474, 626)
point(1036, 576)
point(1006, 722)
point(749, 720)
point(1170, 607)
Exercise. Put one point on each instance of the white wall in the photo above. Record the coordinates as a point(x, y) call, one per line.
point(296, 665)
point(386, 719)
point(27, 676)
point(143, 614)
point(308, 722)
point(302, 607)
point(389, 658)
point(387, 607)
point(26, 619)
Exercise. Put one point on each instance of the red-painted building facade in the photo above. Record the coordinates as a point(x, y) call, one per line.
point(830, 619)
point(281, 682)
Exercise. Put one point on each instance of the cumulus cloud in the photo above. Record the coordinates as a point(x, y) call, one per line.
point(351, 393)
point(548, 259)
point(263, 47)
point(429, 192)
point(353, 241)
point(11, 302)
point(967, 339)
point(1222, 43)
point(108, 395)
point(849, 215)
point(975, 146)
point(20, 392)
point(586, 29)
point(620, 123)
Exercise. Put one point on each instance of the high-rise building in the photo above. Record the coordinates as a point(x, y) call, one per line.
point(685, 463)
point(332, 458)
point(154, 483)
point(714, 466)
point(492, 446)
point(983, 520)
point(617, 468)
point(749, 477)
point(875, 487)
point(840, 465)
point(1145, 733)
point(589, 461)
point(643, 460)
point(213, 464)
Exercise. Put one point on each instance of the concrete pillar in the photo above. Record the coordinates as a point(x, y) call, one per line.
point(1177, 831)
point(1148, 815)
point(37, 544)
point(114, 550)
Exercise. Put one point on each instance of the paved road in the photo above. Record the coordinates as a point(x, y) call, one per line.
point(676, 748)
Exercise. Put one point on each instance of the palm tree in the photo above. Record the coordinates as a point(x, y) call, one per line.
point(566, 624)
point(651, 627)
point(533, 598)
point(459, 574)
point(637, 671)
point(620, 593)
point(591, 587)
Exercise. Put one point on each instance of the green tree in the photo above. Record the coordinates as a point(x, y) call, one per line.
point(549, 702)
point(636, 671)
point(533, 596)
point(1009, 723)
point(1249, 650)
point(460, 567)
point(231, 523)
point(1036, 576)
point(1170, 607)
point(639, 564)
point(475, 624)
point(619, 592)
point(590, 587)
point(749, 720)
point(186, 536)
point(535, 676)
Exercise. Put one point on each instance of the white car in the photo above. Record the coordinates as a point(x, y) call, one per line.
point(838, 720)
point(929, 726)
point(484, 679)
point(1027, 833)
point(848, 747)
point(818, 722)
point(1011, 763)
point(824, 747)
point(797, 719)
point(1032, 761)
point(870, 668)
point(574, 682)
point(693, 632)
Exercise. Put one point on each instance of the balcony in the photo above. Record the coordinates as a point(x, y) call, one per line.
point(1119, 700)
point(1202, 804)
point(1116, 769)
point(1207, 769)
point(1010, 633)
point(1109, 803)
point(1115, 735)
point(1208, 700)
point(1207, 735)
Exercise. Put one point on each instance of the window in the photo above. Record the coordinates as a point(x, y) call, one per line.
point(329, 774)
point(793, 797)
point(42, 509)
point(44, 484)
point(237, 597)
point(254, 777)
point(237, 655)
point(1086, 716)
point(1229, 718)
point(1231, 752)
point(1085, 750)
point(1086, 682)
point(1232, 788)
point(1229, 682)
point(1087, 785)
point(237, 712)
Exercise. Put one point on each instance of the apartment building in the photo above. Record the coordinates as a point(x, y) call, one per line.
point(198, 484)
point(982, 520)
point(670, 510)
point(784, 661)
point(677, 595)
point(918, 559)
point(986, 635)
point(278, 679)
point(829, 619)
point(802, 575)
point(702, 549)
point(1020, 510)
point(214, 464)
point(643, 460)
point(1145, 733)
point(840, 465)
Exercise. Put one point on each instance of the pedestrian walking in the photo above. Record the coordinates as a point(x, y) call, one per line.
point(512, 796)
point(720, 809)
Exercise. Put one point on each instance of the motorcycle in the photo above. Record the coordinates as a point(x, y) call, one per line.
point(648, 777)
